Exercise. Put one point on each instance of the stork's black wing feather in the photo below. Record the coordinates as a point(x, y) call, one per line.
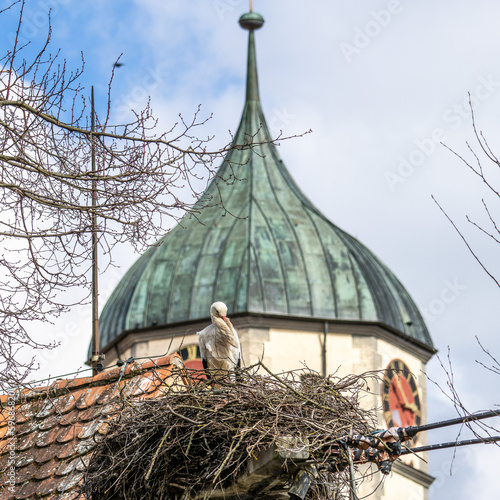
point(205, 366)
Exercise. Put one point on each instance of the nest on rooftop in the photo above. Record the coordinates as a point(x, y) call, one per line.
point(200, 439)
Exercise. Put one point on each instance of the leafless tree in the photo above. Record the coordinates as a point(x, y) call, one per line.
point(50, 195)
point(480, 428)
point(485, 165)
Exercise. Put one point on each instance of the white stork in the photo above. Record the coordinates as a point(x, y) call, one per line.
point(219, 343)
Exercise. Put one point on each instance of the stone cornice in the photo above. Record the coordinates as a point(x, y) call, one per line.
point(268, 321)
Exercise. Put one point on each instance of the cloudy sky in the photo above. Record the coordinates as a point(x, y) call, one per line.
point(381, 84)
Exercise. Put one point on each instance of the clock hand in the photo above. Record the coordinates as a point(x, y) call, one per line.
point(408, 406)
point(412, 407)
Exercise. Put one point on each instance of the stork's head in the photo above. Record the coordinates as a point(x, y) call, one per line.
point(218, 310)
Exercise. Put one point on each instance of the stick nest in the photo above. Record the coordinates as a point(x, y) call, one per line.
point(200, 439)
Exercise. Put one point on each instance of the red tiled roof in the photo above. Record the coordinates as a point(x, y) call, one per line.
point(56, 428)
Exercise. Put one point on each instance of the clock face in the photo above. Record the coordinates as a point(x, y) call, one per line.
point(401, 401)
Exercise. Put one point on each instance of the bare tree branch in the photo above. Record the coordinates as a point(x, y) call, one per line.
point(466, 243)
point(144, 181)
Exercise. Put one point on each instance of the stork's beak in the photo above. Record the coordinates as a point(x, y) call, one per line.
point(224, 318)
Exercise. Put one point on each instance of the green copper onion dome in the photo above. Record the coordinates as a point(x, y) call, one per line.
point(272, 253)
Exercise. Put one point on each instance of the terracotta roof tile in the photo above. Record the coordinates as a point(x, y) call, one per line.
point(73, 479)
point(90, 413)
point(24, 474)
point(132, 367)
point(66, 403)
point(28, 490)
point(66, 451)
point(58, 426)
point(75, 448)
point(50, 422)
point(69, 418)
point(88, 398)
point(79, 464)
point(47, 408)
point(107, 375)
point(48, 437)
point(106, 394)
point(47, 486)
point(89, 429)
point(23, 459)
point(27, 441)
point(27, 428)
point(144, 385)
point(66, 466)
point(42, 455)
point(102, 429)
point(24, 413)
point(165, 361)
point(47, 470)
point(69, 433)
point(59, 384)
point(110, 409)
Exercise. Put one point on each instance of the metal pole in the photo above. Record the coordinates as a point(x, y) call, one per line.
point(353, 495)
point(323, 349)
point(95, 291)
point(453, 444)
point(413, 430)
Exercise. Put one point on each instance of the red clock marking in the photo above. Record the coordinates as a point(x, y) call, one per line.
point(401, 402)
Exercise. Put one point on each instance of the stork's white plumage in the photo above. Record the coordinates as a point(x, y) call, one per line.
point(219, 343)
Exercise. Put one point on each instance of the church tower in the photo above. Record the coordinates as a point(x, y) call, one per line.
point(299, 290)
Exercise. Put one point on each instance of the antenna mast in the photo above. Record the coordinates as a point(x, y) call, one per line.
point(96, 356)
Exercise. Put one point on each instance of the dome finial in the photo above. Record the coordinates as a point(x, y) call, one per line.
point(251, 20)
